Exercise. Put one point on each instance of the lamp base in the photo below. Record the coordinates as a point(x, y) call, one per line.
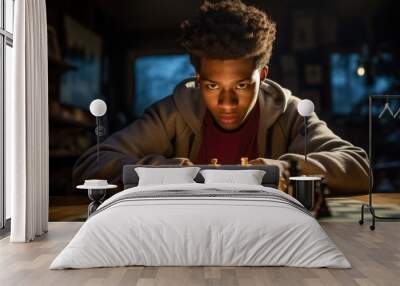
point(96, 196)
point(304, 188)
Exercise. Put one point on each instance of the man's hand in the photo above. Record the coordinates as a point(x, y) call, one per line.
point(283, 165)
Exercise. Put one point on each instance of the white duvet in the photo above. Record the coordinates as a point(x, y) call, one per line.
point(190, 231)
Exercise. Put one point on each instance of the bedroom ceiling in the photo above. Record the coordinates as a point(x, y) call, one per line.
point(149, 15)
point(161, 17)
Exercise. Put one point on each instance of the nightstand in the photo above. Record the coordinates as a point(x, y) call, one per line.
point(96, 192)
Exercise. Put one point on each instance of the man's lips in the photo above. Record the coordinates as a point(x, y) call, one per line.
point(228, 118)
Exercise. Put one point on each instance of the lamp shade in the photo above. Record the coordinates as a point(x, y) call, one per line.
point(305, 107)
point(98, 107)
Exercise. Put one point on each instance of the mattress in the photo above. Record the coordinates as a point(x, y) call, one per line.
point(201, 225)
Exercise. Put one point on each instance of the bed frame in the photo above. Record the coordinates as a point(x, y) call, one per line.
point(271, 178)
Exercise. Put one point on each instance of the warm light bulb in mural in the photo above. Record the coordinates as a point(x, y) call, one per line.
point(360, 71)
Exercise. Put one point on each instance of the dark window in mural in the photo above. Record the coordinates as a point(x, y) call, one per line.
point(353, 79)
point(156, 78)
point(81, 84)
point(349, 81)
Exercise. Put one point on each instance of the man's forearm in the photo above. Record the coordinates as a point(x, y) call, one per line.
point(344, 172)
point(109, 166)
point(111, 163)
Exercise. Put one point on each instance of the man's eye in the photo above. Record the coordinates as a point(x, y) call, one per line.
point(212, 86)
point(242, 85)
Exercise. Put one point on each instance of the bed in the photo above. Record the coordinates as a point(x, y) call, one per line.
point(201, 224)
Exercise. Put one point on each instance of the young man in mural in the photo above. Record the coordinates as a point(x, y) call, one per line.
point(228, 111)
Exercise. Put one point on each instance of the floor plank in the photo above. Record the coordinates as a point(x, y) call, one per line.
point(375, 257)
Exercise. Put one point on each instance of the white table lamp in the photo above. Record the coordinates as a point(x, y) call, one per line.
point(305, 108)
point(98, 108)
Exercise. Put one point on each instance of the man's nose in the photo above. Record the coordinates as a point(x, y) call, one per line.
point(227, 100)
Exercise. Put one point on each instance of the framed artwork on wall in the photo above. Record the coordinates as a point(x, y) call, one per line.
point(53, 44)
point(84, 51)
point(303, 31)
point(313, 74)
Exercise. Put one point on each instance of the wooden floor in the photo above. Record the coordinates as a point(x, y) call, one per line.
point(389, 198)
point(375, 256)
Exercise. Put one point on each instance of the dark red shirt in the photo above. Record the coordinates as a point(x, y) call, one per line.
point(229, 146)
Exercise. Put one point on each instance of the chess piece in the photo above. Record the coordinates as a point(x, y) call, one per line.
point(244, 161)
point(214, 162)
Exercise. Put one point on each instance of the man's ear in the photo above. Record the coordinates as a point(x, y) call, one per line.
point(197, 80)
point(264, 73)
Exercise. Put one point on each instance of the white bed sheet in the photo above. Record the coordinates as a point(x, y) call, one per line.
point(200, 231)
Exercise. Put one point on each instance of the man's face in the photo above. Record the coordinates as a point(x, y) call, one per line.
point(229, 89)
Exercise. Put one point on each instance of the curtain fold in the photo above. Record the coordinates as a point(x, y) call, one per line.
point(27, 157)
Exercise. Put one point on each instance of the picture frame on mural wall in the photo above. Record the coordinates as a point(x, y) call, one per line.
point(313, 74)
point(327, 34)
point(289, 71)
point(54, 50)
point(303, 31)
point(84, 50)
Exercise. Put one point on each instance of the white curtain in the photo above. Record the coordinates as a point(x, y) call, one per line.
point(27, 124)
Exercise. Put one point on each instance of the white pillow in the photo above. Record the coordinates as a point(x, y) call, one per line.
point(163, 176)
point(249, 177)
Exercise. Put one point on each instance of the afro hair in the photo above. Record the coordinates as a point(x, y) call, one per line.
point(228, 29)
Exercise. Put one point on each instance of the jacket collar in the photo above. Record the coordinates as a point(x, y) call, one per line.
point(190, 104)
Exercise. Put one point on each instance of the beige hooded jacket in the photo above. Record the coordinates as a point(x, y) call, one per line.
point(171, 127)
